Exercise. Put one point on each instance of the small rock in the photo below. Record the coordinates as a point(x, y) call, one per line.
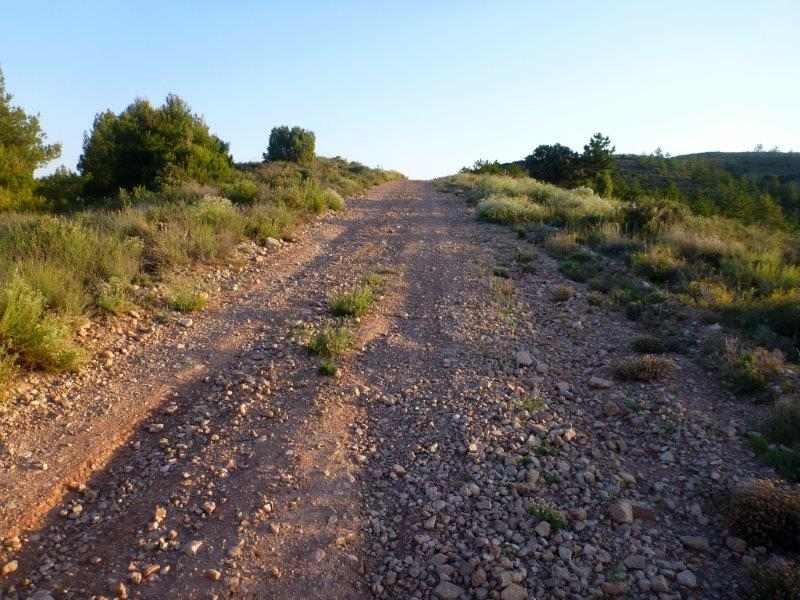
point(687, 579)
point(10, 567)
point(659, 584)
point(621, 511)
point(600, 383)
point(192, 548)
point(611, 588)
point(213, 574)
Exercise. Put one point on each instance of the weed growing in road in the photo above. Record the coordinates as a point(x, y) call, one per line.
point(533, 403)
point(331, 341)
point(328, 368)
point(546, 512)
point(646, 368)
point(374, 280)
point(354, 303)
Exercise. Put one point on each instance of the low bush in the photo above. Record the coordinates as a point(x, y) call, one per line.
point(646, 368)
point(38, 339)
point(764, 514)
point(186, 298)
point(749, 370)
point(354, 303)
point(650, 345)
point(331, 341)
point(659, 264)
point(328, 368)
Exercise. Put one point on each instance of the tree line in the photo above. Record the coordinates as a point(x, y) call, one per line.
point(143, 147)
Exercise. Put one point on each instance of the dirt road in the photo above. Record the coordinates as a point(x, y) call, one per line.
point(473, 446)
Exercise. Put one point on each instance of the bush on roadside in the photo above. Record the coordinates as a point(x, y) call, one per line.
point(780, 582)
point(765, 514)
point(646, 368)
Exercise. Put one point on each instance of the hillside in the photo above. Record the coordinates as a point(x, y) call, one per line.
point(784, 165)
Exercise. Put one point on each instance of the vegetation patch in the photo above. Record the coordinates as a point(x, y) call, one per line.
point(331, 341)
point(186, 298)
point(549, 513)
point(353, 303)
point(563, 293)
point(749, 370)
point(645, 368)
point(765, 514)
point(328, 368)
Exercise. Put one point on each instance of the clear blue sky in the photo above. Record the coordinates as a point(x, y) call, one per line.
point(423, 87)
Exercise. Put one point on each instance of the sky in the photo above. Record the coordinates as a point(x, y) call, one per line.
point(421, 87)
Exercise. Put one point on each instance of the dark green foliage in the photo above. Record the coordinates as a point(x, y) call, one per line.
point(547, 512)
point(577, 270)
point(328, 368)
point(63, 190)
point(147, 147)
point(598, 157)
point(293, 145)
point(555, 164)
point(485, 167)
point(22, 151)
point(650, 345)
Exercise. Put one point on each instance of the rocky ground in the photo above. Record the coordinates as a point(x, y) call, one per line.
point(475, 445)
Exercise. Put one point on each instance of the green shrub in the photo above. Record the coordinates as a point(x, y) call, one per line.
point(39, 340)
point(293, 145)
point(547, 512)
point(331, 341)
point(354, 303)
point(269, 221)
point(659, 264)
point(646, 368)
point(580, 271)
point(186, 298)
point(332, 199)
point(241, 191)
point(328, 368)
point(765, 514)
point(148, 147)
point(749, 370)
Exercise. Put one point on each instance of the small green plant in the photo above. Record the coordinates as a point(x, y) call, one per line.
point(509, 210)
point(354, 303)
point(374, 280)
point(113, 298)
point(547, 512)
point(646, 368)
point(551, 478)
point(186, 299)
point(533, 403)
point(563, 293)
point(784, 460)
point(328, 368)
point(331, 341)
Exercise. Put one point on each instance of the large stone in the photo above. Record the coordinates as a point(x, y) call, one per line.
point(621, 511)
point(447, 590)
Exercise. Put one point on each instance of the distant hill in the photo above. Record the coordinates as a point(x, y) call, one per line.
point(784, 165)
